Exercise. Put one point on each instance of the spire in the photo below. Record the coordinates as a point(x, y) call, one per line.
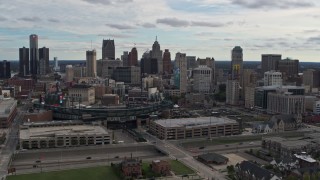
point(156, 38)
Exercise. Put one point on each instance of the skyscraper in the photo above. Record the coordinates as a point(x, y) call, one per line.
point(156, 53)
point(236, 63)
point(23, 61)
point(133, 57)
point(125, 58)
point(270, 62)
point(91, 63)
point(34, 55)
point(191, 62)
point(44, 61)
point(5, 71)
point(108, 49)
point(181, 72)
point(167, 66)
point(234, 84)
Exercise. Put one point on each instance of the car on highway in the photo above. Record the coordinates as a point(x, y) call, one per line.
point(251, 143)
point(202, 147)
point(88, 157)
point(116, 157)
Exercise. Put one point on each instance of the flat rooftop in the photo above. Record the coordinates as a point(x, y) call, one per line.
point(5, 106)
point(47, 132)
point(195, 122)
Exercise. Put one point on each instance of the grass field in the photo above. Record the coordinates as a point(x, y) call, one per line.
point(147, 171)
point(180, 169)
point(94, 173)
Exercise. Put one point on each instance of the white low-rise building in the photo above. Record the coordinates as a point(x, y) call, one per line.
point(61, 134)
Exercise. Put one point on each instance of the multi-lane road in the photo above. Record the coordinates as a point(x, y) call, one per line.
point(10, 144)
point(77, 157)
point(182, 155)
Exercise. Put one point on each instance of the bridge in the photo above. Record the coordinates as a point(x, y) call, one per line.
point(103, 113)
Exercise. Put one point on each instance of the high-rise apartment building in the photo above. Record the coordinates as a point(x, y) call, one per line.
point(167, 66)
point(5, 70)
point(272, 78)
point(23, 61)
point(156, 53)
point(56, 64)
point(236, 63)
point(69, 73)
point(108, 49)
point(269, 62)
point(133, 57)
point(91, 63)
point(181, 72)
point(232, 92)
point(34, 55)
point(202, 79)
point(44, 61)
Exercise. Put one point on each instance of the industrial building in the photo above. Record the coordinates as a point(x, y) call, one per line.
point(61, 134)
point(194, 127)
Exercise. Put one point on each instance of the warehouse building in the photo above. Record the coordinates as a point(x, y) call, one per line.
point(61, 134)
point(170, 129)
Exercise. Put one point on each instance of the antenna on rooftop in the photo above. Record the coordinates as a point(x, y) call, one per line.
point(156, 38)
point(91, 44)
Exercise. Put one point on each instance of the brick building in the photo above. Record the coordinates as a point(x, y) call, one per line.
point(161, 167)
point(131, 168)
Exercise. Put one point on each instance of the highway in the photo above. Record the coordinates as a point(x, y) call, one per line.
point(77, 157)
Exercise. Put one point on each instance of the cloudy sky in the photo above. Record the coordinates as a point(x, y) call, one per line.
point(203, 28)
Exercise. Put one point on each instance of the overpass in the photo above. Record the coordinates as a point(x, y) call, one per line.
point(103, 113)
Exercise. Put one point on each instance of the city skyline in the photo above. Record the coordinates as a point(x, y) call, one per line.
point(203, 28)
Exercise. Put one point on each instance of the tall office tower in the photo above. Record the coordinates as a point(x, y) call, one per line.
point(133, 57)
point(69, 73)
point(209, 62)
point(202, 79)
point(272, 78)
point(181, 72)
point(5, 70)
point(232, 92)
point(23, 61)
point(44, 60)
point(56, 65)
point(250, 77)
point(269, 62)
point(34, 55)
point(108, 49)
point(236, 63)
point(289, 67)
point(311, 78)
point(156, 53)
point(191, 62)
point(125, 58)
point(148, 65)
point(167, 66)
point(91, 63)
